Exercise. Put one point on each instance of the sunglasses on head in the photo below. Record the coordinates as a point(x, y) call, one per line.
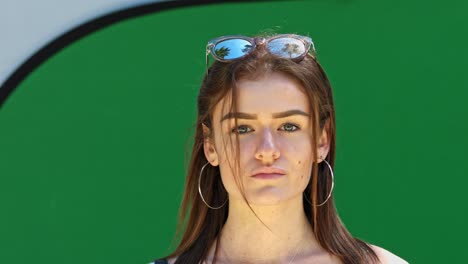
point(290, 46)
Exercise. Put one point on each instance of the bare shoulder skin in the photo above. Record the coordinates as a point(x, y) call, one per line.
point(387, 257)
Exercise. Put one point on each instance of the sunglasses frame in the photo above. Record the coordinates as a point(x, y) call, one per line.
point(307, 41)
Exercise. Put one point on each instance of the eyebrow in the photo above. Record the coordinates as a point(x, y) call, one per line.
point(241, 115)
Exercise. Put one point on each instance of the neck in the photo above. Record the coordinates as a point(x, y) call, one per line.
point(284, 232)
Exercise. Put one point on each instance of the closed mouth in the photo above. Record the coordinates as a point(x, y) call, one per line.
point(268, 176)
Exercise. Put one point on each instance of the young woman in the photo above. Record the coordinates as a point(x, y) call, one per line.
point(259, 187)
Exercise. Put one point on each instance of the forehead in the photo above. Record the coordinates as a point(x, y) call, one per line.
point(271, 93)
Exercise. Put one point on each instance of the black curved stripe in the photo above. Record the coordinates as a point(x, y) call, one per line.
point(89, 27)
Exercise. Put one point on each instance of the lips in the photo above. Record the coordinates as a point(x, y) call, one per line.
point(268, 173)
point(267, 176)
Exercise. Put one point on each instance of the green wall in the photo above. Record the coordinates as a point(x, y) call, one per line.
point(92, 142)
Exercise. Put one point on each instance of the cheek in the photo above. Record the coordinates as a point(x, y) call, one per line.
point(223, 148)
point(306, 170)
point(227, 149)
point(229, 179)
point(228, 159)
point(301, 158)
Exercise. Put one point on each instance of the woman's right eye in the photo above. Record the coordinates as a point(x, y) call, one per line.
point(241, 129)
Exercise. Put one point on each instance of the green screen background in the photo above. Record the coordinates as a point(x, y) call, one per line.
point(92, 143)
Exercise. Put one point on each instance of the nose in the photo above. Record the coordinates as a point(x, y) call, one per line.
point(267, 150)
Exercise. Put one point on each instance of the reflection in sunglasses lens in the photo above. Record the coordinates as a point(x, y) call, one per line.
point(286, 47)
point(232, 48)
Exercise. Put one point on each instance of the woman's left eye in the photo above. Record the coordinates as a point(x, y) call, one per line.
point(290, 127)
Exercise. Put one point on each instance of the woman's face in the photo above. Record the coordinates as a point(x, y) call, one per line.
point(274, 134)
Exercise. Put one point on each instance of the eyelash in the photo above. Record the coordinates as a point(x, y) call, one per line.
point(290, 131)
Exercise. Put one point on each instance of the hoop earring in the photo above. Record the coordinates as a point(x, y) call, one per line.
point(331, 189)
point(200, 192)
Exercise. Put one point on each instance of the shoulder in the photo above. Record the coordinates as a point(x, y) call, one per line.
point(387, 257)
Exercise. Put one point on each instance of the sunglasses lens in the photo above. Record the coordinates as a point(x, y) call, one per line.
point(287, 47)
point(232, 49)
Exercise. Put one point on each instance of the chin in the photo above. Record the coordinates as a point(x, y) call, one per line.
point(265, 198)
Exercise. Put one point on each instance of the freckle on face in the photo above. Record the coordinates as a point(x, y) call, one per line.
point(299, 162)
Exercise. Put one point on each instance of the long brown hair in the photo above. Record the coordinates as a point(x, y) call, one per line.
point(200, 226)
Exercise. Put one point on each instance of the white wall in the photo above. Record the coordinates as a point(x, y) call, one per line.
point(28, 25)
